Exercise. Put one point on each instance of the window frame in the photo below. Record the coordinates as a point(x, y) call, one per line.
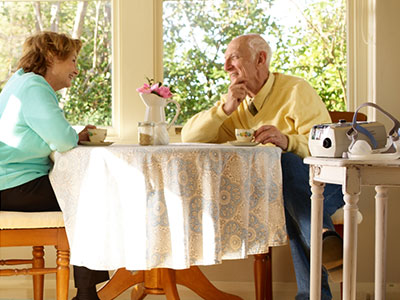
point(361, 54)
point(137, 41)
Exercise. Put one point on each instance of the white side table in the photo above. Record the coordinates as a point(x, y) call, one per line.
point(351, 174)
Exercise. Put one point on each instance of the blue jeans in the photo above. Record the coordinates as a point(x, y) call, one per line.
point(297, 202)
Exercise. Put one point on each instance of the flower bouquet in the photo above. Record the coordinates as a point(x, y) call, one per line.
point(155, 97)
point(155, 88)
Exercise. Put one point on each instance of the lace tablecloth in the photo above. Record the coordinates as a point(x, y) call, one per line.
point(169, 206)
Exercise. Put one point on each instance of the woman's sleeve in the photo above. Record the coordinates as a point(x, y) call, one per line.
point(46, 118)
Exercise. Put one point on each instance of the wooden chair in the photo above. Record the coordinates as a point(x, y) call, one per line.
point(336, 116)
point(36, 230)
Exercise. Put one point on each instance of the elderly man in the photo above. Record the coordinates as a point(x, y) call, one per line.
point(282, 109)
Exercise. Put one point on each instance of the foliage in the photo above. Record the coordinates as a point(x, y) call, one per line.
point(196, 34)
point(197, 72)
point(317, 52)
point(88, 100)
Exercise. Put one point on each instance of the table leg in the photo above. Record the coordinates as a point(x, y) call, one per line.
point(195, 280)
point(162, 281)
point(317, 204)
point(351, 191)
point(263, 275)
point(381, 199)
point(138, 292)
point(121, 281)
point(169, 284)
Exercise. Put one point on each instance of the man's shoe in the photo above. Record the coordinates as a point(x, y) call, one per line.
point(332, 255)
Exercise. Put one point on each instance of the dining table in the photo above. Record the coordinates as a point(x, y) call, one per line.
point(157, 213)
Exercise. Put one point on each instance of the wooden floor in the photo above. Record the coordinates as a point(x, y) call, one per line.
point(11, 290)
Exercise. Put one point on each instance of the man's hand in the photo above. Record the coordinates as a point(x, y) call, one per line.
point(237, 91)
point(270, 134)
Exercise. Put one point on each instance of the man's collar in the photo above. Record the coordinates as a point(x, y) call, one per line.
point(262, 95)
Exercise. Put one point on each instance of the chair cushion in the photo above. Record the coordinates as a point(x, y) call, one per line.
point(19, 220)
point(338, 217)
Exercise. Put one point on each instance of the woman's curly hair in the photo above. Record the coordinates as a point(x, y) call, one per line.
point(40, 49)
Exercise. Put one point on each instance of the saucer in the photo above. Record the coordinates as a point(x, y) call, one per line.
point(88, 143)
point(243, 144)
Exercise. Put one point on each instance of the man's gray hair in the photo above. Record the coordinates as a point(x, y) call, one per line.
point(257, 44)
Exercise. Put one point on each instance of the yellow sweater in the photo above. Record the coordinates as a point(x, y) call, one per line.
point(287, 102)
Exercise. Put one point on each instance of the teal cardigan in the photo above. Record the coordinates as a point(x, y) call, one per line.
point(32, 125)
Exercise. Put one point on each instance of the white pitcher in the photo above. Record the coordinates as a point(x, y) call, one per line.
point(155, 112)
point(155, 108)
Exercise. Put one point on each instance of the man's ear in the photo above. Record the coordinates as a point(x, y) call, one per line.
point(262, 58)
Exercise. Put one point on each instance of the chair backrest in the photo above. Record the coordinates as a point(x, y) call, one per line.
point(336, 116)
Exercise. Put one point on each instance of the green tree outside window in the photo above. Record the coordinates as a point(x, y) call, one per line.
point(196, 34)
point(89, 99)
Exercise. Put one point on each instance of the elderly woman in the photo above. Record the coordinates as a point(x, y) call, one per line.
point(32, 126)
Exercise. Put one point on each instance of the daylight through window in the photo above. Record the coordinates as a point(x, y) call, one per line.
point(308, 38)
point(89, 99)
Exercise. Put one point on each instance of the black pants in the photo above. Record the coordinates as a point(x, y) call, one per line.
point(37, 196)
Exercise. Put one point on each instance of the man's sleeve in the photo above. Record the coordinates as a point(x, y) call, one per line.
point(207, 126)
point(308, 110)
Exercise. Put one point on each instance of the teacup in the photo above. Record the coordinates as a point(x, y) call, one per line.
point(244, 135)
point(97, 135)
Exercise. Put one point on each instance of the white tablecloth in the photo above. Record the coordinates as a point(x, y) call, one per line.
point(169, 206)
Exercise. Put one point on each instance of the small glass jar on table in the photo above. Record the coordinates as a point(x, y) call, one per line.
point(146, 133)
point(161, 136)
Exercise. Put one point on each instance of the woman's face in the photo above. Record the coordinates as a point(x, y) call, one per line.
point(60, 74)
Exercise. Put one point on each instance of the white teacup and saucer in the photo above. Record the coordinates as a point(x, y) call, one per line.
point(244, 137)
point(96, 137)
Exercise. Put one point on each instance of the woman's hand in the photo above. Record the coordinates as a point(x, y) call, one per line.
point(84, 134)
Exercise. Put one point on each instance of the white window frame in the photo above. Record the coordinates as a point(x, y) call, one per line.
point(361, 55)
point(361, 83)
point(137, 53)
point(138, 50)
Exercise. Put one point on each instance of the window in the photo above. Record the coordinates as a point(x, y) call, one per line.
point(308, 37)
point(89, 99)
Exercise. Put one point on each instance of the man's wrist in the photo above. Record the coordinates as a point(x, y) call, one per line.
point(227, 112)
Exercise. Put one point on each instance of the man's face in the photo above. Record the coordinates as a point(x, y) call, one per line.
point(239, 61)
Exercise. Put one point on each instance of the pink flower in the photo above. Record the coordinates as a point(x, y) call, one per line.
point(155, 88)
point(164, 92)
point(145, 89)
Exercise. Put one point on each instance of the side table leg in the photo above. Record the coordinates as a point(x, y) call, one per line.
point(351, 191)
point(381, 199)
point(317, 204)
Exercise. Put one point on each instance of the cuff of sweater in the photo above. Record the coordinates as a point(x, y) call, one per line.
point(296, 148)
point(221, 113)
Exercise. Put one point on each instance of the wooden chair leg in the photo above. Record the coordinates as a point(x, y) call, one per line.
point(263, 275)
point(38, 280)
point(62, 275)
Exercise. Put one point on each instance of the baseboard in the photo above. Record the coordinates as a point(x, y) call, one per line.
point(21, 288)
